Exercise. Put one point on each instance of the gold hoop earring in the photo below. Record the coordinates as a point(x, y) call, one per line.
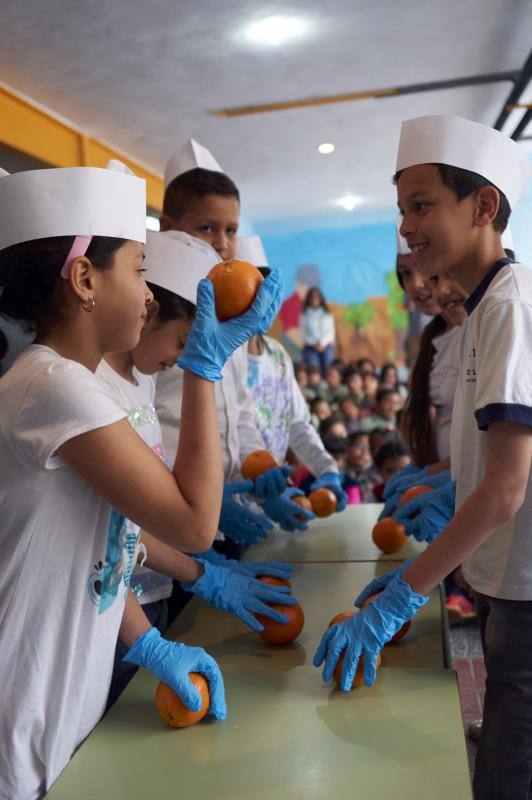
point(89, 305)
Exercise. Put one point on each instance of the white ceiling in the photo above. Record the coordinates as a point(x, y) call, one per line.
point(144, 75)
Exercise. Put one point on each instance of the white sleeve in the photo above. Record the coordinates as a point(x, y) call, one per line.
point(447, 389)
point(503, 388)
point(303, 438)
point(327, 330)
point(248, 434)
point(63, 401)
point(308, 334)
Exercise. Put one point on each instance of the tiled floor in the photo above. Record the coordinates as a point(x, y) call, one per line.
point(469, 665)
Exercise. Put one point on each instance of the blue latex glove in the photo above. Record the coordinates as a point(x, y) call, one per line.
point(172, 663)
point(275, 569)
point(394, 483)
point(272, 483)
point(211, 342)
point(426, 516)
point(367, 632)
point(331, 480)
point(239, 522)
point(242, 596)
point(378, 584)
point(286, 513)
point(433, 481)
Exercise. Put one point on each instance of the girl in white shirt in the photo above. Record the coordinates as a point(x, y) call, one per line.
point(70, 458)
point(317, 331)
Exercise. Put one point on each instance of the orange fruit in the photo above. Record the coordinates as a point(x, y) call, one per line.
point(340, 617)
point(389, 535)
point(279, 633)
point(172, 710)
point(358, 680)
point(236, 284)
point(400, 633)
point(275, 581)
point(414, 491)
point(257, 463)
point(323, 502)
point(304, 502)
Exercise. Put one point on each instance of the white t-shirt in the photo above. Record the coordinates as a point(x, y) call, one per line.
point(148, 585)
point(283, 418)
point(442, 382)
point(317, 327)
point(495, 385)
point(235, 410)
point(66, 562)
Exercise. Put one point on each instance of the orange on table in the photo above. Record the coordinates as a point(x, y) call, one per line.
point(269, 579)
point(280, 633)
point(400, 633)
point(323, 502)
point(257, 463)
point(236, 283)
point(358, 680)
point(173, 711)
point(304, 502)
point(389, 535)
point(414, 491)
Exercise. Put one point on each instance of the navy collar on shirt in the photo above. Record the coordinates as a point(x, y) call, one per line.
point(479, 291)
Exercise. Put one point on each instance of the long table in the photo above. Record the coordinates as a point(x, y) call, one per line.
point(288, 734)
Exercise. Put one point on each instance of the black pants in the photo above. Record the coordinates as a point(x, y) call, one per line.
point(503, 769)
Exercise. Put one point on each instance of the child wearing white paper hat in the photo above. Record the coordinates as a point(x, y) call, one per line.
point(283, 417)
point(457, 182)
point(175, 263)
point(204, 202)
point(71, 251)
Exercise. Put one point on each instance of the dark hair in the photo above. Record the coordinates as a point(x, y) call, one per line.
point(384, 392)
point(366, 360)
point(171, 306)
point(417, 419)
point(353, 437)
point(30, 274)
point(196, 183)
point(393, 449)
point(335, 445)
point(318, 400)
point(464, 183)
point(389, 365)
point(306, 302)
point(3, 346)
point(398, 274)
point(327, 424)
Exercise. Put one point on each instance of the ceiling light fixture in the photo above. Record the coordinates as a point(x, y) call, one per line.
point(326, 148)
point(275, 30)
point(349, 202)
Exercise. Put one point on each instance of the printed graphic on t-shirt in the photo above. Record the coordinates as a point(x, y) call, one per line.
point(270, 389)
point(115, 572)
point(142, 415)
point(471, 365)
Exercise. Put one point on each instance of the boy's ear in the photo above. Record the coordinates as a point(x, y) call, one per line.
point(165, 223)
point(487, 206)
point(152, 310)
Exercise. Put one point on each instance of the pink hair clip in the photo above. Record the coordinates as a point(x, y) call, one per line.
point(80, 245)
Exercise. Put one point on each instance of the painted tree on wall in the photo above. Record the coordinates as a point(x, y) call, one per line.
point(359, 315)
point(396, 311)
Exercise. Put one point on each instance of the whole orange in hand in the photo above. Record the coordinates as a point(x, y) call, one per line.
point(358, 680)
point(236, 284)
point(304, 502)
point(271, 581)
point(389, 535)
point(279, 633)
point(323, 502)
point(400, 633)
point(173, 711)
point(257, 463)
point(341, 617)
point(414, 491)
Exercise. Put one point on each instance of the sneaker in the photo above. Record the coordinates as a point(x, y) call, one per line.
point(460, 609)
point(474, 730)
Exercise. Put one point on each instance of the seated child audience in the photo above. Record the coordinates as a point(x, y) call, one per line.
point(390, 459)
point(334, 390)
point(319, 410)
point(351, 413)
point(370, 387)
point(335, 425)
point(360, 468)
point(387, 402)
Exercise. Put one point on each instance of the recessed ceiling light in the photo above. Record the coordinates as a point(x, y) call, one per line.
point(152, 224)
point(349, 202)
point(276, 29)
point(326, 148)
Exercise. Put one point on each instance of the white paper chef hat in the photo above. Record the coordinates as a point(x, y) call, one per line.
point(189, 156)
point(177, 262)
point(402, 245)
point(75, 201)
point(249, 248)
point(469, 145)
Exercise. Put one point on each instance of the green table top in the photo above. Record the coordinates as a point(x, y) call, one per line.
point(288, 735)
point(341, 537)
